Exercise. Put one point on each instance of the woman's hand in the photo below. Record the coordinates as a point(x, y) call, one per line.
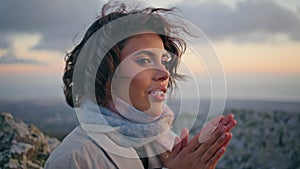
point(204, 155)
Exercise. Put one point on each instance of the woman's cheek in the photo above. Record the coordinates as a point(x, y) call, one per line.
point(138, 91)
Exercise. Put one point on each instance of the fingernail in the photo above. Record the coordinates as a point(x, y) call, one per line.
point(222, 149)
point(224, 136)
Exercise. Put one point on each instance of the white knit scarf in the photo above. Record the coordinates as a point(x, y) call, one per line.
point(130, 127)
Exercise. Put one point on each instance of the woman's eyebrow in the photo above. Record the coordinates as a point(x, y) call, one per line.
point(149, 53)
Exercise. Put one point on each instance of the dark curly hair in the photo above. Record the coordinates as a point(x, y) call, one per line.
point(111, 60)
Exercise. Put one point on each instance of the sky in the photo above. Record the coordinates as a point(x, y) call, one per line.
point(257, 41)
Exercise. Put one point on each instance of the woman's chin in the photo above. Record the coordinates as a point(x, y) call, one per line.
point(156, 109)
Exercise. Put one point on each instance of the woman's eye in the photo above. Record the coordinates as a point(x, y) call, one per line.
point(143, 61)
point(166, 59)
point(164, 62)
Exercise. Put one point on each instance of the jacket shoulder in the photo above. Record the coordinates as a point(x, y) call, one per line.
point(78, 151)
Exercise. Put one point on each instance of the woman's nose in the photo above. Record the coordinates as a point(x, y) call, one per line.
point(161, 74)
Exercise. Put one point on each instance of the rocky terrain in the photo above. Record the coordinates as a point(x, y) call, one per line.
point(264, 140)
point(261, 140)
point(23, 146)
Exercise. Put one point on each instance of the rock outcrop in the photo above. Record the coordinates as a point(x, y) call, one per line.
point(23, 146)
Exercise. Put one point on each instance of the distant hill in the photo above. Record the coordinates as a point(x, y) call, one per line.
point(55, 118)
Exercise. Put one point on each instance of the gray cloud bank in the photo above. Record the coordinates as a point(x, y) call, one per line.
point(59, 21)
point(263, 17)
point(56, 21)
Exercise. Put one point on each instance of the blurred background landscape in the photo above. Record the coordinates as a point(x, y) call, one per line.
point(258, 43)
point(55, 118)
point(266, 136)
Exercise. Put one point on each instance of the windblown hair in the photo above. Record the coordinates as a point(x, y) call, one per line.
point(149, 16)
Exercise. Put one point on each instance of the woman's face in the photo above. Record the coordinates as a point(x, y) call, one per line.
point(142, 79)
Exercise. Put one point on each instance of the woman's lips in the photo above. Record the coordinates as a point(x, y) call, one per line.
point(157, 95)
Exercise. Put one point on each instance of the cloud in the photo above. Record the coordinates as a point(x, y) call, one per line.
point(248, 20)
point(57, 21)
point(21, 50)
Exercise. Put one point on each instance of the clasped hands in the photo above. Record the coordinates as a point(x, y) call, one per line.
point(205, 149)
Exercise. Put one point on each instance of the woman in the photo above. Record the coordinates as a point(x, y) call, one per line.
point(118, 88)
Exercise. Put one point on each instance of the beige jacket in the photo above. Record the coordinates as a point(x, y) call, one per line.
point(78, 150)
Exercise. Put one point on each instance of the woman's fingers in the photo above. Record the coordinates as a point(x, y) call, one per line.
point(209, 129)
point(215, 158)
point(231, 124)
point(210, 141)
point(213, 161)
point(205, 132)
point(211, 151)
point(164, 157)
point(180, 143)
point(227, 119)
point(205, 154)
point(212, 145)
point(184, 136)
point(228, 140)
point(193, 144)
